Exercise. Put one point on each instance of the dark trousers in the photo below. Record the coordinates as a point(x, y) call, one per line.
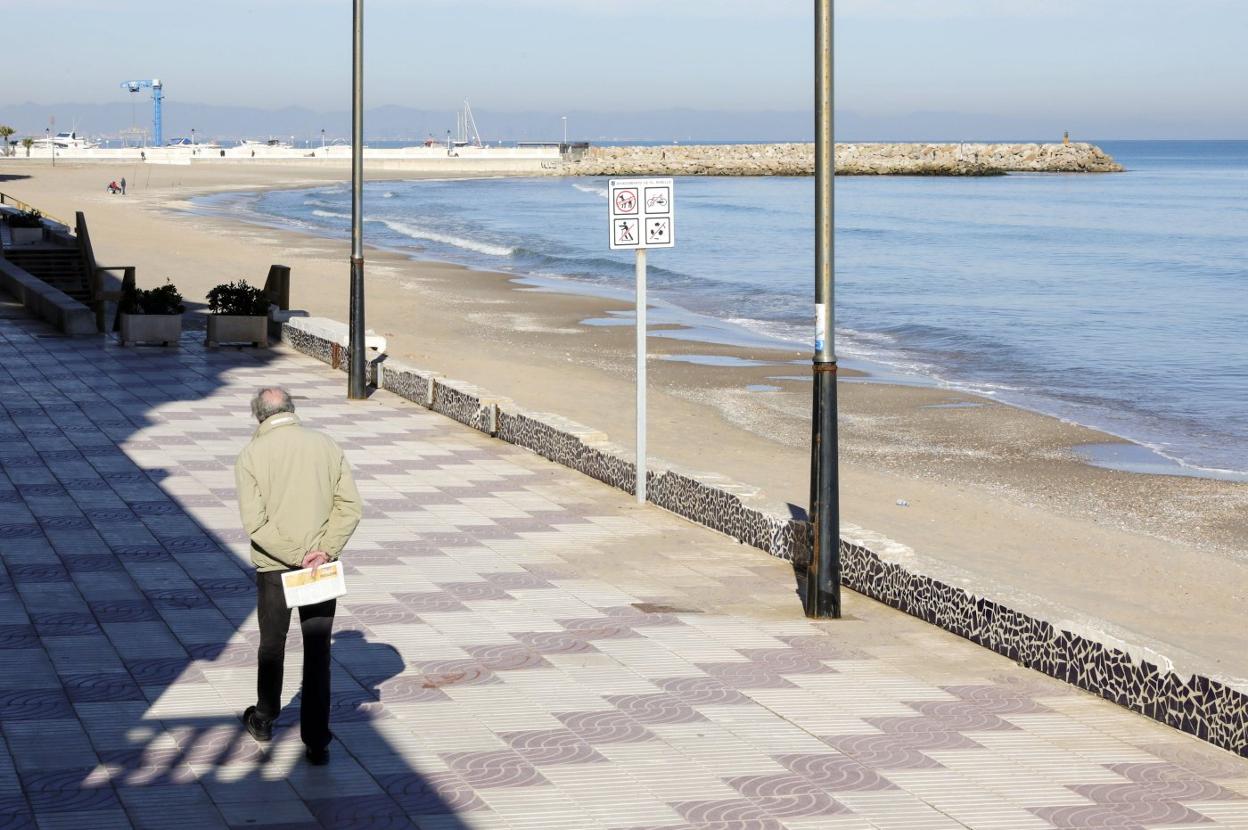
point(316, 623)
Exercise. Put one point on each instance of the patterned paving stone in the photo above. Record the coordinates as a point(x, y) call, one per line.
point(486, 770)
point(437, 794)
point(834, 773)
point(605, 727)
point(520, 647)
point(552, 746)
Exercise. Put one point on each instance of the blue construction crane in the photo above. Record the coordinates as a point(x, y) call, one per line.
point(158, 95)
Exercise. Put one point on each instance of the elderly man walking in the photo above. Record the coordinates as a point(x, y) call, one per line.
point(299, 506)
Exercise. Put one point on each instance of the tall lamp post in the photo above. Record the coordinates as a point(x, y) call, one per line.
point(823, 576)
point(51, 147)
point(355, 358)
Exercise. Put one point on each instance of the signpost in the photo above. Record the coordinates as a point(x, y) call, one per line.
point(642, 214)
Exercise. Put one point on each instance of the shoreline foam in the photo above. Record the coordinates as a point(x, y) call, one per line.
point(694, 326)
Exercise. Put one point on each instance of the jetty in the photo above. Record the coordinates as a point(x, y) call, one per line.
point(580, 159)
point(877, 159)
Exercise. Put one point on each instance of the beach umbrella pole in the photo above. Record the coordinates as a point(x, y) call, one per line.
point(823, 574)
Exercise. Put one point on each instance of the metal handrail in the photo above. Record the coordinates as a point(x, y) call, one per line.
point(6, 199)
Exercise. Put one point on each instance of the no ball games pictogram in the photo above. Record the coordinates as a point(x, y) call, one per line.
point(658, 230)
point(642, 213)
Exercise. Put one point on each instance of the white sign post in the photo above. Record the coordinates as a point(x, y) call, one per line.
point(642, 215)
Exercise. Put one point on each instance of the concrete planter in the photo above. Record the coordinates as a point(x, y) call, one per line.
point(230, 328)
point(26, 236)
point(151, 328)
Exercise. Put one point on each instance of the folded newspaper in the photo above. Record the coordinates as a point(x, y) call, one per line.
point(312, 585)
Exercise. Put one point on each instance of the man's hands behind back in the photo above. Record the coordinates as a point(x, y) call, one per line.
point(315, 558)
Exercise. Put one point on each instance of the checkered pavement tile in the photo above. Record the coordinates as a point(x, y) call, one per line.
point(520, 647)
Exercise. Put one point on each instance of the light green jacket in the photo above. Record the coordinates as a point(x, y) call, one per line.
point(295, 493)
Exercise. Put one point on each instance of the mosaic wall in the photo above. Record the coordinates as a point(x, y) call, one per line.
point(461, 403)
point(405, 383)
point(309, 344)
point(566, 448)
point(1206, 708)
point(724, 511)
point(1199, 706)
point(324, 350)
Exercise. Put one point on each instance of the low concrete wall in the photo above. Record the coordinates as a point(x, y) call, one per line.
point(1083, 654)
point(42, 300)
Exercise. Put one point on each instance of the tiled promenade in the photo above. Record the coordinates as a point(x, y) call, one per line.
point(521, 648)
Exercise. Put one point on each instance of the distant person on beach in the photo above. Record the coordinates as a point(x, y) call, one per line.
point(123, 185)
point(112, 187)
point(299, 505)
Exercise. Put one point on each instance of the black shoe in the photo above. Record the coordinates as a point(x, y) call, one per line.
point(257, 727)
point(317, 757)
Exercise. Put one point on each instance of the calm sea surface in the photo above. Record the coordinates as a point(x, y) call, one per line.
point(1117, 301)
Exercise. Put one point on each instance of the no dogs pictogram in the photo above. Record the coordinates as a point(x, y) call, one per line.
point(626, 201)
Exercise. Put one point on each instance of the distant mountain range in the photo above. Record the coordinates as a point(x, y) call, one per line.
point(683, 125)
point(395, 122)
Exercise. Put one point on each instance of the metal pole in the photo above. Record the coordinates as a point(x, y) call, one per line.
point(640, 486)
point(823, 577)
point(157, 121)
point(355, 359)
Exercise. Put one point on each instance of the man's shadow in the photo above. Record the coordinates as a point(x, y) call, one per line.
point(117, 606)
point(209, 750)
point(370, 663)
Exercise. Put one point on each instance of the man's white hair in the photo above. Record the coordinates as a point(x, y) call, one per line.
point(269, 401)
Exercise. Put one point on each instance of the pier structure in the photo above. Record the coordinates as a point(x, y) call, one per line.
point(579, 159)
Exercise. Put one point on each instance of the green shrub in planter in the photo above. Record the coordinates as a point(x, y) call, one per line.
point(238, 298)
point(163, 300)
point(26, 219)
point(153, 315)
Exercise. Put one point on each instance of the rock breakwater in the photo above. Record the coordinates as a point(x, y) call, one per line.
point(970, 159)
point(851, 160)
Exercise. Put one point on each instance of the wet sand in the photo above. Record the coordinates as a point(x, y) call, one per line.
point(995, 497)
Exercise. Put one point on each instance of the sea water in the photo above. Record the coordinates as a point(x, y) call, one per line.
point(1119, 301)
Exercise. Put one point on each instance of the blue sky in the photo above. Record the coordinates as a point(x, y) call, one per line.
point(1106, 67)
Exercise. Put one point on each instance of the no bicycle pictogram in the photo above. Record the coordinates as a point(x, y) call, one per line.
point(658, 199)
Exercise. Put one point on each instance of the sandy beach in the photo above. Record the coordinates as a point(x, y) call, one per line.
point(982, 492)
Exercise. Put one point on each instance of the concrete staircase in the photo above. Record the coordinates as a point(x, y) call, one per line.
point(59, 266)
